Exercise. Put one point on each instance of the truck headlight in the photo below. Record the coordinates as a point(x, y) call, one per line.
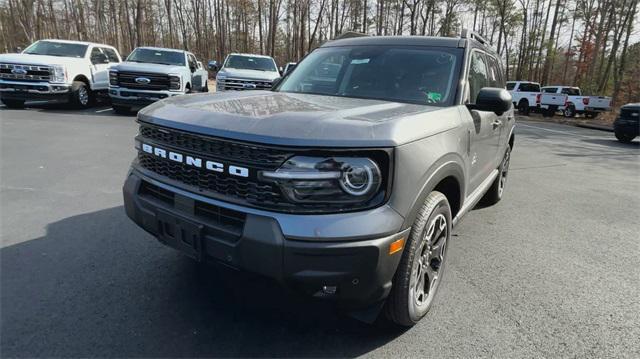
point(174, 83)
point(113, 78)
point(59, 74)
point(329, 180)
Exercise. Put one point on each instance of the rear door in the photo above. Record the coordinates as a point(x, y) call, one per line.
point(484, 135)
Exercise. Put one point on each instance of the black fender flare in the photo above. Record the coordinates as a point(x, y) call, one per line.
point(447, 166)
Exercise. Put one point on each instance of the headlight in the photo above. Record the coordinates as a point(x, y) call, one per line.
point(113, 78)
point(174, 83)
point(329, 180)
point(59, 74)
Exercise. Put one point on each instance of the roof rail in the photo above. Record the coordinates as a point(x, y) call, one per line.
point(470, 34)
point(349, 34)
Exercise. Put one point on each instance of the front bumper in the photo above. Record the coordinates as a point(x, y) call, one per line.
point(34, 91)
point(354, 272)
point(137, 99)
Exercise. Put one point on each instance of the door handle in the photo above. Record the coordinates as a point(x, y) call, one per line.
point(496, 123)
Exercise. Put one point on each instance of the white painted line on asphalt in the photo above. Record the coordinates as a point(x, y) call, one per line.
point(104, 110)
point(556, 131)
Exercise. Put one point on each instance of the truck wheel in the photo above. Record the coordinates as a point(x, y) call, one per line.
point(17, 104)
point(81, 96)
point(624, 137)
point(569, 111)
point(121, 110)
point(421, 267)
point(523, 107)
point(494, 194)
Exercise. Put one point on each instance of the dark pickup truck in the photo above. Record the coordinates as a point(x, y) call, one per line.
point(341, 184)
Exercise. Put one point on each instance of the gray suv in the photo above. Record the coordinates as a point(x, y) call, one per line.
point(344, 181)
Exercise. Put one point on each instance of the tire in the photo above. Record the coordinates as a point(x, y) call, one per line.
point(569, 111)
point(523, 107)
point(495, 192)
point(15, 104)
point(81, 95)
point(408, 302)
point(624, 137)
point(591, 115)
point(121, 110)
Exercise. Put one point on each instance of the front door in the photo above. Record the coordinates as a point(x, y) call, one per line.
point(483, 127)
point(99, 69)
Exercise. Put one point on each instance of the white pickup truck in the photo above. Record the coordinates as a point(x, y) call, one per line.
point(527, 97)
point(152, 73)
point(61, 71)
point(576, 103)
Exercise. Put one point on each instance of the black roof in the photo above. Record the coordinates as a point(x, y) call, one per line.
point(406, 41)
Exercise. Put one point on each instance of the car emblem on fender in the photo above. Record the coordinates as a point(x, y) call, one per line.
point(143, 80)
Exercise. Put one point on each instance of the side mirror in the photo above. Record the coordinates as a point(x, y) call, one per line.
point(99, 59)
point(492, 99)
point(213, 65)
point(280, 70)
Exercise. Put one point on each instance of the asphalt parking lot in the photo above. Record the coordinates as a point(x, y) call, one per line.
point(553, 270)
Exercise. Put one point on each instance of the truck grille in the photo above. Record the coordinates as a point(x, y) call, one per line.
point(158, 82)
point(249, 190)
point(630, 114)
point(237, 84)
point(25, 72)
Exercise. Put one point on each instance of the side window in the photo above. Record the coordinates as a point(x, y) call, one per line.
point(495, 74)
point(97, 57)
point(511, 85)
point(478, 77)
point(111, 54)
point(529, 87)
point(193, 64)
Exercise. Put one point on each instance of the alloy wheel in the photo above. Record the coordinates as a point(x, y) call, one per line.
point(427, 265)
point(83, 96)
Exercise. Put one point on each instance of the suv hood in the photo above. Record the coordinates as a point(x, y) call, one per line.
point(249, 74)
point(148, 67)
point(280, 118)
point(26, 59)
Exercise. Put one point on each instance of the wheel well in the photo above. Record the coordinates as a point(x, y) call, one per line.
point(450, 187)
point(523, 100)
point(82, 78)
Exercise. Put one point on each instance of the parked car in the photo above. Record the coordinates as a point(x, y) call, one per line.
point(525, 95)
point(245, 72)
point(151, 73)
point(627, 125)
point(576, 103)
point(62, 71)
point(345, 188)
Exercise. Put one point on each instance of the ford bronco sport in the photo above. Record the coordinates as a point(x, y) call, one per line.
point(342, 184)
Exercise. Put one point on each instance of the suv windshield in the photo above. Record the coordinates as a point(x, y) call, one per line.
point(250, 63)
point(52, 48)
point(152, 56)
point(421, 75)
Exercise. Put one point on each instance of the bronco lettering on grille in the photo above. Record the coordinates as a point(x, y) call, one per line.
point(195, 161)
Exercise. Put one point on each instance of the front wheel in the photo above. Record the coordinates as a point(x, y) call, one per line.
point(15, 104)
point(523, 108)
point(420, 271)
point(624, 137)
point(81, 96)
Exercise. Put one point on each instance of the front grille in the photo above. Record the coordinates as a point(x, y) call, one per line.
point(237, 84)
point(25, 72)
point(241, 153)
point(630, 114)
point(158, 82)
point(235, 189)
